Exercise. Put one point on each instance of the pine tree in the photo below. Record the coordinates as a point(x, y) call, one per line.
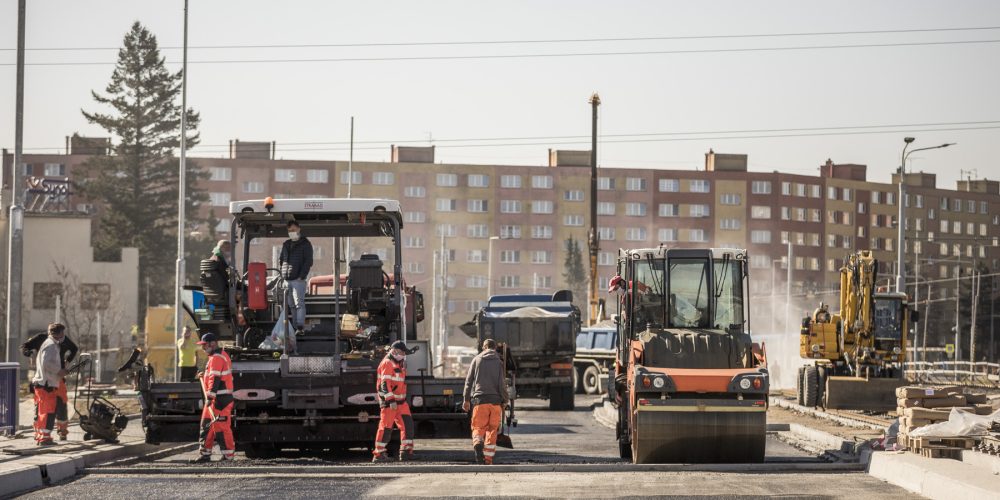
point(574, 273)
point(136, 186)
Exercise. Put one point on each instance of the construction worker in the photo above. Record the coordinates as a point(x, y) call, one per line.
point(486, 393)
point(295, 262)
point(49, 373)
point(187, 356)
point(391, 388)
point(217, 383)
point(67, 352)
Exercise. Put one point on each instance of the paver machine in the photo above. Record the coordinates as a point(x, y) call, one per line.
point(690, 385)
point(858, 351)
point(315, 389)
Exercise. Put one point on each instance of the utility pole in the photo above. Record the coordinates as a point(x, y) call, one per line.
point(976, 279)
point(993, 303)
point(181, 200)
point(593, 238)
point(434, 312)
point(916, 292)
point(350, 180)
point(443, 303)
point(788, 287)
point(958, 315)
point(15, 221)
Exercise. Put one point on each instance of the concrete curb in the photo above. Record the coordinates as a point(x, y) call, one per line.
point(935, 478)
point(822, 414)
point(475, 469)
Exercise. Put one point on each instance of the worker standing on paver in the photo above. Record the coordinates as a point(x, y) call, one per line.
point(217, 383)
point(187, 356)
point(67, 352)
point(49, 374)
point(486, 393)
point(391, 388)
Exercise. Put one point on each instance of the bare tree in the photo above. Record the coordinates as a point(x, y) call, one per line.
point(80, 309)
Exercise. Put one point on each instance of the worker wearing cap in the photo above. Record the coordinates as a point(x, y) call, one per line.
point(187, 356)
point(391, 388)
point(217, 383)
point(67, 351)
point(486, 394)
point(49, 373)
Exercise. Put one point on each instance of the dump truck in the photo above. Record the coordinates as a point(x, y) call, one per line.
point(595, 357)
point(312, 387)
point(540, 333)
point(857, 352)
point(690, 385)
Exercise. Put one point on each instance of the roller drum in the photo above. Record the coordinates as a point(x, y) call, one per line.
point(699, 437)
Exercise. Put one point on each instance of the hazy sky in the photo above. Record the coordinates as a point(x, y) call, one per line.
point(543, 97)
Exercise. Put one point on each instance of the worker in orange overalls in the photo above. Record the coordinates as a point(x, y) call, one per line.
point(217, 383)
point(486, 394)
point(49, 373)
point(391, 388)
point(67, 351)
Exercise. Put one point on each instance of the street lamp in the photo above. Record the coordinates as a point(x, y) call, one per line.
point(489, 268)
point(774, 298)
point(900, 221)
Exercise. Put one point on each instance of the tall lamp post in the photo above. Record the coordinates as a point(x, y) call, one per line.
point(900, 221)
point(489, 268)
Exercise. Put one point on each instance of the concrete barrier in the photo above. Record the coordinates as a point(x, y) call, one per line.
point(936, 478)
point(17, 478)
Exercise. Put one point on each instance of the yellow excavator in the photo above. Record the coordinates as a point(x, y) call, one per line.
point(858, 351)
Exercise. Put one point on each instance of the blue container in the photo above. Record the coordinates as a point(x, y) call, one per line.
point(9, 398)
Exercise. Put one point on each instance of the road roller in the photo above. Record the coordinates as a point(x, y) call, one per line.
point(690, 385)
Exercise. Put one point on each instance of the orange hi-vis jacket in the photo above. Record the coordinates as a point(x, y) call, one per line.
point(218, 377)
point(391, 385)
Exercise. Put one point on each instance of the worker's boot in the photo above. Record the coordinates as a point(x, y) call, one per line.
point(406, 455)
point(480, 457)
point(202, 459)
point(380, 458)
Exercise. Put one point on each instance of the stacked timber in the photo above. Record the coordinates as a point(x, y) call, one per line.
point(920, 406)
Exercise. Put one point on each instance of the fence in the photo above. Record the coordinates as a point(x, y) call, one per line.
point(979, 374)
point(9, 398)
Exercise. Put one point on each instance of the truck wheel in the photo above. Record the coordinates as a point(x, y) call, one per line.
point(625, 449)
point(810, 386)
point(798, 385)
point(577, 380)
point(561, 398)
point(591, 380)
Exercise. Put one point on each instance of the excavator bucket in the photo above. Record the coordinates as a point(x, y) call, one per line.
point(699, 437)
point(856, 393)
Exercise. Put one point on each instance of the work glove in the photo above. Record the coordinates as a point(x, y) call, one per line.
point(392, 405)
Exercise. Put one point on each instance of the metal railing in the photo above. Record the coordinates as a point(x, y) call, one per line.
point(10, 374)
point(979, 374)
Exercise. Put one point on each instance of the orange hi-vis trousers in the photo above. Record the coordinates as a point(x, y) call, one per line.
point(485, 426)
point(62, 409)
point(401, 418)
point(45, 417)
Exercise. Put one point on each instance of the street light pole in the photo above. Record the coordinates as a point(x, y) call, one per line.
point(788, 286)
point(181, 199)
point(900, 220)
point(15, 221)
point(489, 268)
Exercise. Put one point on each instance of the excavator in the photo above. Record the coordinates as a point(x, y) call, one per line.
point(857, 353)
point(690, 385)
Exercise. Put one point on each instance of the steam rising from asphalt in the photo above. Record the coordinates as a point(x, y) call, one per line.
point(782, 346)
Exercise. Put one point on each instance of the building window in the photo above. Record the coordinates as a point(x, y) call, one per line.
point(541, 181)
point(476, 256)
point(383, 178)
point(414, 242)
point(415, 217)
point(215, 173)
point(635, 184)
point(541, 232)
point(541, 257)
point(760, 236)
point(605, 208)
point(44, 295)
point(846, 194)
point(573, 220)
point(730, 199)
point(800, 214)
point(956, 205)
point(414, 192)
point(510, 206)
point(353, 177)
point(510, 181)
point(697, 236)
point(876, 197)
point(253, 187)
point(316, 176)
point(475, 281)
point(541, 207)
point(477, 231)
point(760, 212)
point(984, 207)
point(415, 267)
point(800, 190)
point(573, 195)
point(970, 206)
point(729, 224)
point(668, 210)
point(477, 206)
point(786, 188)
point(509, 281)
point(473, 306)
point(478, 180)
point(831, 193)
point(699, 211)
point(446, 230)
point(447, 180)
point(606, 233)
point(815, 191)
point(606, 183)
point(510, 256)
point(666, 235)
point(219, 199)
point(284, 175)
point(699, 186)
point(670, 185)
point(635, 234)
point(635, 209)
point(95, 296)
point(605, 259)
point(814, 215)
point(510, 232)
point(760, 261)
point(446, 205)
point(760, 187)
point(223, 226)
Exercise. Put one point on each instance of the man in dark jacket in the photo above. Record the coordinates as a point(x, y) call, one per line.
point(67, 351)
point(295, 262)
point(486, 393)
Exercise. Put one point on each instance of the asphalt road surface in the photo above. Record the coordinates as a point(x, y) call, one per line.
point(541, 437)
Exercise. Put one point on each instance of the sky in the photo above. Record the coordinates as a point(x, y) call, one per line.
point(690, 84)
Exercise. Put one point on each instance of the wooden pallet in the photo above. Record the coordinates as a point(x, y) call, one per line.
point(951, 452)
point(939, 447)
